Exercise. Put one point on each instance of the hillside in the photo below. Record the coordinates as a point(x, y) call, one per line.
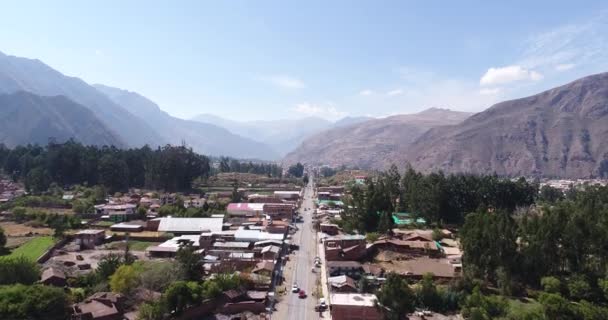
point(373, 143)
point(21, 74)
point(202, 137)
point(28, 118)
point(562, 132)
point(282, 135)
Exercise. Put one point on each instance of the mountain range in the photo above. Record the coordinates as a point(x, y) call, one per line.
point(281, 135)
point(371, 143)
point(562, 132)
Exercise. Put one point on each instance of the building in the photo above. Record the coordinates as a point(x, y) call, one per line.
point(412, 248)
point(116, 212)
point(170, 247)
point(345, 247)
point(89, 238)
point(352, 269)
point(243, 234)
point(288, 195)
point(99, 306)
point(278, 211)
point(245, 209)
point(180, 226)
point(260, 198)
point(329, 228)
point(53, 277)
point(354, 306)
point(343, 284)
point(125, 227)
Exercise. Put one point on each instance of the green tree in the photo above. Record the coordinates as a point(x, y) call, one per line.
point(395, 299)
point(18, 270)
point(555, 306)
point(108, 265)
point(179, 295)
point(579, 288)
point(113, 173)
point(427, 293)
point(2, 240)
point(551, 284)
point(126, 278)
point(37, 180)
point(33, 302)
point(189, 262)
point(296, 170)
point(153, 310)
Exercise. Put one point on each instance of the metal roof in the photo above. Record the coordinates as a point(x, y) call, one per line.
point(171, 224)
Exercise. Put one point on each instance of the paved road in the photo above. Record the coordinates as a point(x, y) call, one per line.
point(303, 309)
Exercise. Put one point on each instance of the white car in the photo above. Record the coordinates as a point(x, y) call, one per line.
point(295, 288)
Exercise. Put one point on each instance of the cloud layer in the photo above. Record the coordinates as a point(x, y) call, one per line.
point(508, 74)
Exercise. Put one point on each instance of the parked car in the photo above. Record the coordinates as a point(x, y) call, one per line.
point(295, 288)
point(302, 294)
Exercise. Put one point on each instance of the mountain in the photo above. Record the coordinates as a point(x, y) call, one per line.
point(372, 143)
point(29, 118)
point(21, 74)
point(562, 132)
point(347, 121)
point(202, 137)
point(282, 135)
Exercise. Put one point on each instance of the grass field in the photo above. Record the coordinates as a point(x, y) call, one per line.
point(33, 248)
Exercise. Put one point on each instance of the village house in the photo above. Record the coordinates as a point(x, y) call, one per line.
point(412, 248)
point(329, 228)
point(245, 209)
point(99, 306)
point(170, 247)
point(260, 198)
point(116, 212)
point(53, 277)
point(288, 195)
point(89, 238)
point(277, 211)
point(352, 269)
point(343, 284)
point(179, 226)
point(354, 306)
point(345, 247)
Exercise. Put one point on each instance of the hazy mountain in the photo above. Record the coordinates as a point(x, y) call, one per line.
point(29, 118)
point(21, 74)
point(372, 143)
point(202, 137)
point(282, 135)
point(562, 132)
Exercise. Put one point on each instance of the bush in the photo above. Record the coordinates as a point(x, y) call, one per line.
point(551, 284)
point(18, 270)
point(33, 302)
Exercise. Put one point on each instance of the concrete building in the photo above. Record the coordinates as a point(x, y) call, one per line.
point(185, 225)
point(354, 306)
point(88, 239)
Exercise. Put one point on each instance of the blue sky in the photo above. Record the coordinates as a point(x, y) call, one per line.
point(250, 60)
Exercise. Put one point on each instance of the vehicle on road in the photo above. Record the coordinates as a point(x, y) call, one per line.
point(302, 294)
point(322, 303)
point(312, 269)
point(295, 288)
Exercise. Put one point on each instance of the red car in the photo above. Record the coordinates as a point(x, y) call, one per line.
point(302, 294)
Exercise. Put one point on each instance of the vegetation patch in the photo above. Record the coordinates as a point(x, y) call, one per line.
point(33, 248)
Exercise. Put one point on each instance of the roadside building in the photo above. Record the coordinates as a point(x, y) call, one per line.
point(116, 212)
point(179, 226)
point(99, 306)
point(278, 211)
point(170, 247)
point(352, 269)
point(244, 209)
point(288, 195)
point(354, 306)
point(343, 284)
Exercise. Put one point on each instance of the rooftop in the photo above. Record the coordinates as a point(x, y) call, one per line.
point(171, 224)
point(353, 299)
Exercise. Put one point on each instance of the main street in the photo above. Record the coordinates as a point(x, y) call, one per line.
point(303, 308)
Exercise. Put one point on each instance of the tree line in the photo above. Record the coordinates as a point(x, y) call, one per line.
point(171, 168)
point(226, 164)
point(436, 197)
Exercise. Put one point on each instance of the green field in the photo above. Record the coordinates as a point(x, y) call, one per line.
point(33, 248)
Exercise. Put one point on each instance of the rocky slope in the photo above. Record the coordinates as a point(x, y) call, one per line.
point(372, 143)
point(562, 132)
point(29, 118)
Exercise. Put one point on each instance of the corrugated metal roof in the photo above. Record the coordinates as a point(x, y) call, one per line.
point(171, 224)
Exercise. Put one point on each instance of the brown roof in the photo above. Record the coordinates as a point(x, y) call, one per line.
point(411, 244)
point(264, 265)
point(52, 273)
point(372, 269)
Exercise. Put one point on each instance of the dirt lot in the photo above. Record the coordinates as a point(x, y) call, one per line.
point(12, 229)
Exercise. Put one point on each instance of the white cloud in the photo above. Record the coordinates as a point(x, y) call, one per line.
point(366, 92)
point(396, 92)
point(489, 91)
point(326, 110)
point(284, 81)
point(508, 74)
point(564, 66)
point(98, 52)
